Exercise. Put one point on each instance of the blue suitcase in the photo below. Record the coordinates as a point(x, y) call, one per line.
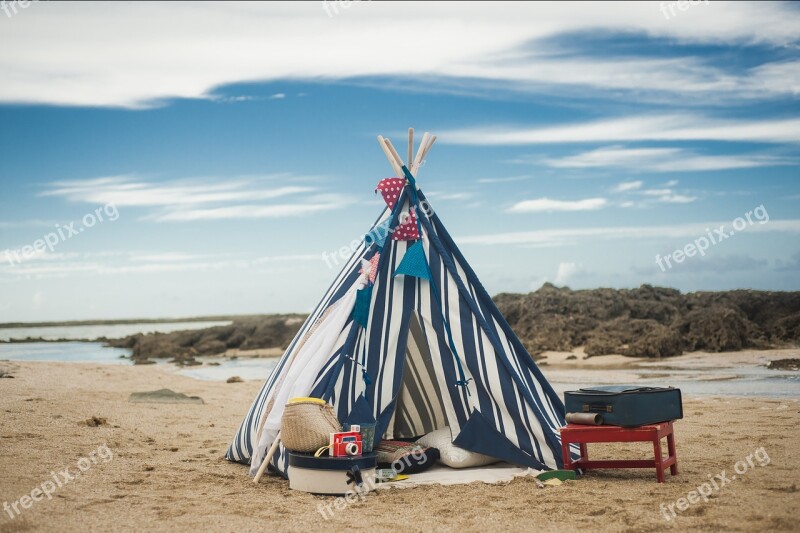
point(627, 405)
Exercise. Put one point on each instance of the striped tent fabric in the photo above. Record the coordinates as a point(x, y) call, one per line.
point(435, 352)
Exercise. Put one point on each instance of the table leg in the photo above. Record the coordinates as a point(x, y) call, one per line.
point(565, 452)
point(673, 469)
point(658, 458)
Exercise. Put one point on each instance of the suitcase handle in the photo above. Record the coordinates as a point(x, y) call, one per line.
point(597, 408)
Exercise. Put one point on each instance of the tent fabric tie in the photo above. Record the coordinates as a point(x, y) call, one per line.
point(364, 376)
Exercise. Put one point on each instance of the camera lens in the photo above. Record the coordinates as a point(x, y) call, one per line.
point(351, 448)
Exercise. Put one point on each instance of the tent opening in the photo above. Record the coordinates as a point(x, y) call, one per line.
point(419, 408)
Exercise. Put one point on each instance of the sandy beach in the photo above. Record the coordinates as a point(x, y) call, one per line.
point(161, 467)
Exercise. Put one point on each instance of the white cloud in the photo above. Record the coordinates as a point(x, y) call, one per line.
point(201, 199)
point(167, 257)
point(677, 198)
point(503, 180)
point(124, 263)
point(656, 192)
point(13, 224)
point(154, 54)
point(246, 211)
point(668, 196)
point(546, 204)
point(558, 237)
point(662, 160)
point(125, 191)
point(565, 272)
point(441, 196)
point(277, 96)
point(628, 186)
point(673, 127)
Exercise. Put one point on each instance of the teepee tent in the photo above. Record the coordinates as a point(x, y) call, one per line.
point(406, 334)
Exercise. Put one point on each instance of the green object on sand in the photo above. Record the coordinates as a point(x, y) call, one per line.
point(163, 396)
point(563, 475)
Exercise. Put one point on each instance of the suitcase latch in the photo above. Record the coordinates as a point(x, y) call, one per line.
point(597, 408)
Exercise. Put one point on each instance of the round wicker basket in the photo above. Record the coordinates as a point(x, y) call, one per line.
point(307, 423)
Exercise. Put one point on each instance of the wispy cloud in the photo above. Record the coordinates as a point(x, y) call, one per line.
point(508, 179)
point(133, 191)
point(628, 186)
point(566, 271)
point(671, 127)
point(55, 68)
point(557, 237)
point(247, 211)
point(662, 160)
point(667, 195)
point(546, 204)
point(56, 265)
point(201, 198)
point(442, 196)
point(167, 257)
point(14, 224)
point(671, 198)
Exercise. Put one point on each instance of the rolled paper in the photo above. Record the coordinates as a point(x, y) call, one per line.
point(585, 419)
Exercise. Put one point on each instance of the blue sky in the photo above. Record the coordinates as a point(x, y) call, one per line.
point(228, 147)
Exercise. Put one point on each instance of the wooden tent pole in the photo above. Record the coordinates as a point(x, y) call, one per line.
point(413, 163)
point(267, 458)
point(389, 156)
point(397, 158)
point(410, 160)
point(428, 148)
point(418, 159)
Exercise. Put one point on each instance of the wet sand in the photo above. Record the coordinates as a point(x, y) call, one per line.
point(167, 472)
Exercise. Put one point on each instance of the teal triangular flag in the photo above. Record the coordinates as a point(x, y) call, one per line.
point(414, 263)
point(379, 233)
point(361, 309)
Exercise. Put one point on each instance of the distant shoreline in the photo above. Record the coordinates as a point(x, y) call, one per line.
point(648, 321)
point(125, 321)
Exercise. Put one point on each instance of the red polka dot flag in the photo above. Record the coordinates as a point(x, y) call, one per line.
point(390, 190)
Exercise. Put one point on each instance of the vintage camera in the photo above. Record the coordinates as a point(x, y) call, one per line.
point(346, 443)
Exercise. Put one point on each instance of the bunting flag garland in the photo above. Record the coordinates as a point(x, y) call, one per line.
point(414, 263)
point(361, 309)
point(408, 229)
point(390, 190)
point(378, 234)
point(369, 269)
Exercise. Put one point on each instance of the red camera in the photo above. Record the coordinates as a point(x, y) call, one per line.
point(346, 443)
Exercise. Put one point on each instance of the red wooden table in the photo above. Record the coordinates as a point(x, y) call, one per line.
point(583, 435)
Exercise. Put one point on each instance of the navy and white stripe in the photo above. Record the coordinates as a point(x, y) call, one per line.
point(507, 410)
